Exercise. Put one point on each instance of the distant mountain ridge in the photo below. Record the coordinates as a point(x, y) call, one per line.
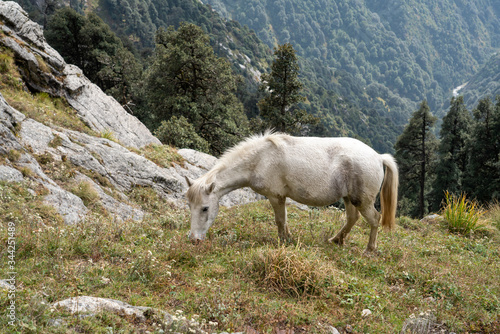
point(415, 49)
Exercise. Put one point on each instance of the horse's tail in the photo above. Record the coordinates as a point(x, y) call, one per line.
point(389, 192)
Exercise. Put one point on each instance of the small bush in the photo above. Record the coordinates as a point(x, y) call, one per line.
point(27, 172)
point(44, 158)
point(162, 155)
point(461, 215)
point(178, 132)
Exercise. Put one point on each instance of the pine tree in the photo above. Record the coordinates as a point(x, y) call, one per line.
point(189, 81)
point(89, 43)
point(283, 86)
point(415, 152)
point(453, 153)
point(483, 171)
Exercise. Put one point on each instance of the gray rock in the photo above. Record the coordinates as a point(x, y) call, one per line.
point(103, 113)
point(85, 306)
point(332, 330)
point(124, 168)
point(21, 24)
point(119, 209)
point(9, 116)
point(115, 162)
point(198, 159)
point(430, 218)
point(9, 119)
point(68, 205)
point(10, 174)
point(424, 323)
point(93, 305)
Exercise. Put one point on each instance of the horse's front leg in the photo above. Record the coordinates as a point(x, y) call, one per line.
point(352, 215)
point(279, 206)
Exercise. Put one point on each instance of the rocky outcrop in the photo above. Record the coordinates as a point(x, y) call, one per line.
point(91, 158)
point(44, 70)
point(93, 305)
point(85, 306)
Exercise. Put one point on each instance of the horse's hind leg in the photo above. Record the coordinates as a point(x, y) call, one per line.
point(279, 207)
point(352, 214)
point(372, 217)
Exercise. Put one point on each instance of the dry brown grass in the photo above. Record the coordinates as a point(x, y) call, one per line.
point(292, 271)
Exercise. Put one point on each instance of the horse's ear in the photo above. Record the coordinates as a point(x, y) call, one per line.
point(211, 188)
point(188, 181)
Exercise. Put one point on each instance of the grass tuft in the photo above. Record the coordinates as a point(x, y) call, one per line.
point(163, 155)
point(287, 269)
point(55, 142)
point(87, 193)
point(493, 214)
point(461, 215)
point(108, 134)
point(13, 155)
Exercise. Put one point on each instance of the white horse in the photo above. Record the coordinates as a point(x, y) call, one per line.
point(312, 171)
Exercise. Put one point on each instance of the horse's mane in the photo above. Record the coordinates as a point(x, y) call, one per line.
point(242, 151)
point(247, 148)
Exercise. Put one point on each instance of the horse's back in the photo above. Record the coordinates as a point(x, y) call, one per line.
point(319, 171)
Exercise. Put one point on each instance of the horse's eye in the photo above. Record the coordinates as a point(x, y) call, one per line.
point(205, 209)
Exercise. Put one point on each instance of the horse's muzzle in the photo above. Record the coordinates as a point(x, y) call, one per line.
point(195, 239)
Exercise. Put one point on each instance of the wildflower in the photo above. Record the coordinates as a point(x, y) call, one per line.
point(366, 312)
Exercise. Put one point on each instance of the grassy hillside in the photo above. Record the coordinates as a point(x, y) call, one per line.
point(241, 277)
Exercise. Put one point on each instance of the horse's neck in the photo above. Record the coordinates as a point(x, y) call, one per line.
point(231, 178)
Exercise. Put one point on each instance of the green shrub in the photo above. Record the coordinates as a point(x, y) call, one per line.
point(178, 132)
point(162, 155)
point(461, 215)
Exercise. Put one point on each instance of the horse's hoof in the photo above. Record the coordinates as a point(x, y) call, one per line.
point(287, 239)
point(370, 252)
point(336, 240)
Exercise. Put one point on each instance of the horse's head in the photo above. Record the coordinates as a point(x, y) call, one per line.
point(204, 206)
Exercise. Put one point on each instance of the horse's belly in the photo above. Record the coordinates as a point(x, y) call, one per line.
point(314, 193)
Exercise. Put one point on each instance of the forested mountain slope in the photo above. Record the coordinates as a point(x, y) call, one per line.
point(365, 64)
point(397, 52)
point(486, 82)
